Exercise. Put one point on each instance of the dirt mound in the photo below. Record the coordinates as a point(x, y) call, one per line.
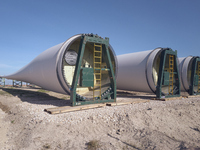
point(153, 125)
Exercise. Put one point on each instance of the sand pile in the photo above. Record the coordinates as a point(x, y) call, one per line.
point(154, 125)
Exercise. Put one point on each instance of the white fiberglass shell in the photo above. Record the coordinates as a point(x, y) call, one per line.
point(185, 67)
point(50, 71)
point(139, 71)
point(186, 64)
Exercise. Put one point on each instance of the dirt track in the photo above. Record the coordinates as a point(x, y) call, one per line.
point(154, 125)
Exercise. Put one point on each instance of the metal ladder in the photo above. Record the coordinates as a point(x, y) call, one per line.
point(171, 74)
point(199, 77)
point(97, 59)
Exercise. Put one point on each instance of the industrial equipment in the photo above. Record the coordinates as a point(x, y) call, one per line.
point(84, 67)
point(154, 71)
point(2, 82)
point(17, 83)
point(189, 68)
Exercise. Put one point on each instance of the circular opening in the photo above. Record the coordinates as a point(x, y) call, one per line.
point(87, 78)
point(152, 68)
point(155, 68)
point(155, 71)
point(189, 72)
point(196, 77)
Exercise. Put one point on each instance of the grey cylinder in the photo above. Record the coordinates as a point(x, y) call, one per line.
point(185, 64)
point(188, 70)
point(139, 71)
point(54, 68)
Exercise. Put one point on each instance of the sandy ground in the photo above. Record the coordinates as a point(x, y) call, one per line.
point(155, 125)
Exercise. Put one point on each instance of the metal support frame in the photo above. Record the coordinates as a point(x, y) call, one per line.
point(110, 94)
point(198, 73)
point(29, 84)
point(195, 77)
point(17, 83)
point(170, 77)
point(2, 82)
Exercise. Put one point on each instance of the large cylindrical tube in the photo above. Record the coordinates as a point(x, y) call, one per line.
point(185, 67)
point(188, 70)
point(136, 71)
point(141, 71)
point(54, 68)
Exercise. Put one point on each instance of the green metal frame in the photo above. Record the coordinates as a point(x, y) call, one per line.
point(30, 84)
point(17, 83)
point(110, 95)
point(163, 80)
point(2, 82)
point(193, 74)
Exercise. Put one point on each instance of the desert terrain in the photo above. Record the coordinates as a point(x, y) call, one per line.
point(158, 125)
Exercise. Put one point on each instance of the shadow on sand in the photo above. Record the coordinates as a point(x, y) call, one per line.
point(136, 95)
point(37, 97)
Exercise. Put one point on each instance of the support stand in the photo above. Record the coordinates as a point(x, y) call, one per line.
point(2, 82)
point(89, 76)
point(168, 75)
point(194, 88)
point(17, 83)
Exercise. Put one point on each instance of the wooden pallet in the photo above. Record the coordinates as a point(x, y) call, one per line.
point(193, 96)
point(167, 99)
point(126, 103)
point(64, 109)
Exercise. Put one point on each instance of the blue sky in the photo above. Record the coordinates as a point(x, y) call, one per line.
point(28, 27)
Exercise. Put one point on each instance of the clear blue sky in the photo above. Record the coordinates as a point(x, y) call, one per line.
point(28, 27)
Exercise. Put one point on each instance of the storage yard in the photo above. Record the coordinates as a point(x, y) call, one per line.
point(100, 75)
point(155, 124)
point(96, 100)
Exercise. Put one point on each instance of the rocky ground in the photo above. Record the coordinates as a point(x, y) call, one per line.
point(159, 125)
